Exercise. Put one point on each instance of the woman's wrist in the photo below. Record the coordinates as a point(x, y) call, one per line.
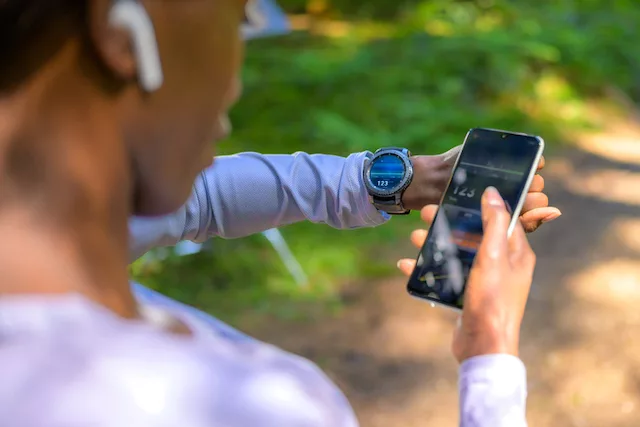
point(489, 340)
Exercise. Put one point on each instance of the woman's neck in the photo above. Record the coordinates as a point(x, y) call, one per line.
point(65, 191)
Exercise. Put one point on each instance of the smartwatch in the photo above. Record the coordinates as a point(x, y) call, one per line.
point(386, 175)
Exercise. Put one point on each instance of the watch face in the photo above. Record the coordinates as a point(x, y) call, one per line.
point(387, 172)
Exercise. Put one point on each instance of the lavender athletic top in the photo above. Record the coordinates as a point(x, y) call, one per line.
point(66, 362)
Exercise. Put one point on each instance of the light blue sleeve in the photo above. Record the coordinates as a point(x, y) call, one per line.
point(248, 193)
point(493, 392)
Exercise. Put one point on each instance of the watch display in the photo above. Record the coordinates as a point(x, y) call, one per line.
point(387, 172)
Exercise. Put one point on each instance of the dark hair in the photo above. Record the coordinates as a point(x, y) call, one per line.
point(31, 31)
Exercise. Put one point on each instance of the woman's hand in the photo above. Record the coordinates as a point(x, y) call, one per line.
point(498, 284)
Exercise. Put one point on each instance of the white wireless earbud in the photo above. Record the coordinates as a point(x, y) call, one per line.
point(130, 15)
point(256, 19)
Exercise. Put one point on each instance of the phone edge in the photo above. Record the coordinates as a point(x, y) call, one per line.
point(525, 189)
point(435, 303)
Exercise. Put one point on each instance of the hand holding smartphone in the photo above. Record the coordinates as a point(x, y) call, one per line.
point(497, 288)
point(504, 160)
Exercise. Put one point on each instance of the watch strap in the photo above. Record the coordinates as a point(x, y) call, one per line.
point(391, 205)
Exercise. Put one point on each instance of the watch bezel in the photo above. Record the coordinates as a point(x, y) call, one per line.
point(404, 182)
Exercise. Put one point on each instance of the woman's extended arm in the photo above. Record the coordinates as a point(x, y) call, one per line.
point(250, 192)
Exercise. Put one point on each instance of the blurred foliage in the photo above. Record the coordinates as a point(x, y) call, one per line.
point(406, 73)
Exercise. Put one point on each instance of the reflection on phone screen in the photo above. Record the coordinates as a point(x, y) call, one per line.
point(456, 233)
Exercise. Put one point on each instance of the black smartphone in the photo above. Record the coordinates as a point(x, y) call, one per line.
point(505, 160)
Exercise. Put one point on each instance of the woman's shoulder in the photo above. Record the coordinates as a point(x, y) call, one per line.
point(71, 364)
point(108, 371)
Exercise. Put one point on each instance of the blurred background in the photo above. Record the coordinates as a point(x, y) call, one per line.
point(358, 75)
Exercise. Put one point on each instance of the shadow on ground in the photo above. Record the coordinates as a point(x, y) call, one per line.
point(580, 339)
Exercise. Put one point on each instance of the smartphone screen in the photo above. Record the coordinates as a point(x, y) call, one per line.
point(504, 160)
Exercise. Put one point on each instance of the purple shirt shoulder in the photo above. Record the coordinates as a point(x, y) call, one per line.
point(65, 361)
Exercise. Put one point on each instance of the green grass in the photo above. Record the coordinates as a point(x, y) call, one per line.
point(418, 89)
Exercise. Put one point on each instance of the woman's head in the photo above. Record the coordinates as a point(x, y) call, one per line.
point(163, 137)
point(171, 131)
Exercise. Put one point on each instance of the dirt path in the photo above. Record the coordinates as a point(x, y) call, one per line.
point(581, 338)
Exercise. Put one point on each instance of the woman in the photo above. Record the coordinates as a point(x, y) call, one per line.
point(99, 122)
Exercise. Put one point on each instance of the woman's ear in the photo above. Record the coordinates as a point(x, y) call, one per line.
point(125, 39)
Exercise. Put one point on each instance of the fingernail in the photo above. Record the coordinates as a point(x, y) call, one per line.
point(493, 196)
point(398, 264)
point(551, 217)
